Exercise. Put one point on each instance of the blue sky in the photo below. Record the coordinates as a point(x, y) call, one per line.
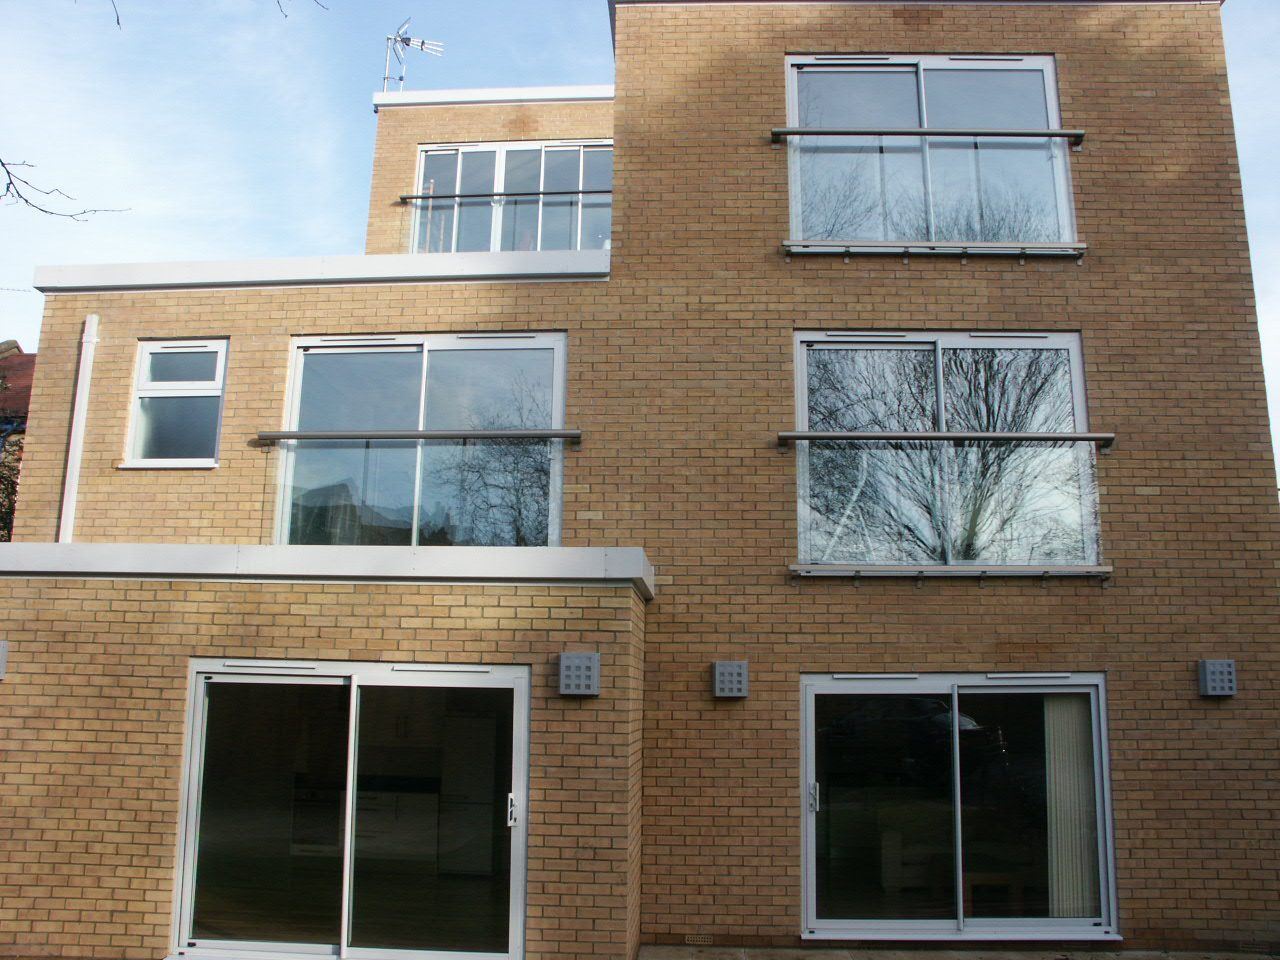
point(226, 130)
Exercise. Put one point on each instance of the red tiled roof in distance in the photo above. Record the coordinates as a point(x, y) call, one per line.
point(17, 369)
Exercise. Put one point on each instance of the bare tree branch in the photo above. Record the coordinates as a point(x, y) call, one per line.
point(17, 189)
point(115, 11)
point(280, 6)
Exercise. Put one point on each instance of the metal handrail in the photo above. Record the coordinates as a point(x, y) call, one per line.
point(859, 570)
point(275, 436)
point(1104, 440)
point(406, 197)
point(1011, 247)
point(1074, 137)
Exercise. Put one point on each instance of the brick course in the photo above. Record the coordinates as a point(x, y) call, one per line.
point(680, 372)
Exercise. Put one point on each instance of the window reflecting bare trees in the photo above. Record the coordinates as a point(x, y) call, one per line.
point(913, 189)
point(487, 492)
point(428, 492)
point(930, 502)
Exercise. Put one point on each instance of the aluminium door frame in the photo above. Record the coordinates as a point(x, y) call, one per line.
point(951, 686)
point(354, 675)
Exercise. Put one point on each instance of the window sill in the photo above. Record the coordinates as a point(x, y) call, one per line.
point(168, 465)
point(945, 248)
point(1103, 572)
point(970, 933)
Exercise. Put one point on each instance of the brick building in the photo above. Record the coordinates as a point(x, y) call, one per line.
point(873, 388)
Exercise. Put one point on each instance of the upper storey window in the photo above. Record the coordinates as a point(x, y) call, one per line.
point(862, 181)
point(514, 196)
point(945, 450)
point(448, 439)
point(177, 404)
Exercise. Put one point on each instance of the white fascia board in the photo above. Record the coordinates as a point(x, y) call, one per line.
point(325, 271)
point(441, 98)
point(180, 561)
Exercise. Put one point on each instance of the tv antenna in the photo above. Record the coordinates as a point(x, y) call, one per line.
point(397, 45)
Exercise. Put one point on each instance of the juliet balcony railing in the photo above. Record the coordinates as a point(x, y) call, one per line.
point(948, 503)
point(931, 190)
point(512, 221)
point(421, 487)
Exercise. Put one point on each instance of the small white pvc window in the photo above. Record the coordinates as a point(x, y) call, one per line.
point(177, 404)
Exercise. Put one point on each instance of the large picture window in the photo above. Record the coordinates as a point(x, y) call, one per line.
point(373, 486)
point(956, 806)
point(964, 451)
point(879, 186)
point(514, 196)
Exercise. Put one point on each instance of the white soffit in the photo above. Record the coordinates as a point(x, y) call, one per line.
point(479, 95)
point(171, 561)
point(321, 271)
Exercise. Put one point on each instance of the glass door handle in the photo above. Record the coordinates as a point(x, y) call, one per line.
point(512, 819)
point(814, 801)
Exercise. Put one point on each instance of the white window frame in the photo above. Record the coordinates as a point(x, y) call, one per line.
point(501, 148)
point(557, 342)
point(144, 387)
point(1102, 927)
point(937, 342)
point(355, 675)
point(917, 64)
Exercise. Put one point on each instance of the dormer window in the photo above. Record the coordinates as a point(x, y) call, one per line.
point(528, 196)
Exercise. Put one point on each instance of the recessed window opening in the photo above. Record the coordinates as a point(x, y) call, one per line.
point(177, 403)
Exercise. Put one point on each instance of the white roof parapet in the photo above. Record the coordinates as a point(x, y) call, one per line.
point(479, 95)
point(180, 561)
point(321, 271)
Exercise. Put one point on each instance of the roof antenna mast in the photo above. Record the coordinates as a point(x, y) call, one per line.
point(400, 42)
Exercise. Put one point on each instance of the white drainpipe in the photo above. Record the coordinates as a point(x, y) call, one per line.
point(75, 446)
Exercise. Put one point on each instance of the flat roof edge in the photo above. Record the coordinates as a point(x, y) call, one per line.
point(483, 95)
point(167, 561)
point(922, 3)
point(324, 271)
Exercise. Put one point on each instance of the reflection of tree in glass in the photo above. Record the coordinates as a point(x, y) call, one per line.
point(930, 502)
point(872, 188)
point(873, 503)
point(352, 492)
point(1015, 502)
point(492, 492)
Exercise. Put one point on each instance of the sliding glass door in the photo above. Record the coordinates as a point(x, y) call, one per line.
point(355, 810)
point(953, 806)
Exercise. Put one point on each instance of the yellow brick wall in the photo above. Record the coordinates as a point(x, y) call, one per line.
point(402, 129)
point(236, 502)
point(92, 726)
point(1188, 500)
point(680, 374)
